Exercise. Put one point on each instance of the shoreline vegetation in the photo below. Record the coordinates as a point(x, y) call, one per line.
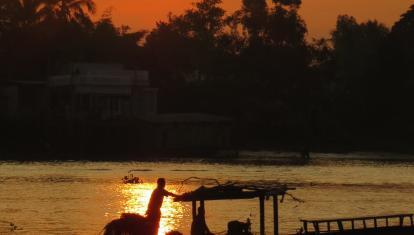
point(243, 157)
point(349, 92)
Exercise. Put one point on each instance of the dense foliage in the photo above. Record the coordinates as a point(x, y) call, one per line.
point(255, 65)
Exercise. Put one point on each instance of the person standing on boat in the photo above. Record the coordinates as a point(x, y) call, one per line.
point(154, 206)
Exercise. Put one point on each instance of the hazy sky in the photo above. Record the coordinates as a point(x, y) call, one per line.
point(320, 15)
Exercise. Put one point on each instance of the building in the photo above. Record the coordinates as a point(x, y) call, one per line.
point(24, 99)
point(101, 92)
point(90, 108)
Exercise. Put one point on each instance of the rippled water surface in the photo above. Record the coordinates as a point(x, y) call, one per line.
point(81, 197)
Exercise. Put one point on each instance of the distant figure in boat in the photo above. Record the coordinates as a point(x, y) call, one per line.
point(135, 224)
point(199, 225)
point(305, 153)
point(154, 206)
point(131, 179)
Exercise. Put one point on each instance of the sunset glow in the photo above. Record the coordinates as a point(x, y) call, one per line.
point(320, 15)
point(177, 117)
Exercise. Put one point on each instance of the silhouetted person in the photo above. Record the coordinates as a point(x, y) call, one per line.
point(155, 203)
point(305, 153)
point(199, 226)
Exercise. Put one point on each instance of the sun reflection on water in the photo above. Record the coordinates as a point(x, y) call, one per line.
point(137, 197)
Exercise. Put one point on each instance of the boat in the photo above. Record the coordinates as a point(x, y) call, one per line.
point(131, 179)
point(239, 191)
point(398, 224)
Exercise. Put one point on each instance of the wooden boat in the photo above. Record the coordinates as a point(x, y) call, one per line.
point(401, 224)
point(238, 191)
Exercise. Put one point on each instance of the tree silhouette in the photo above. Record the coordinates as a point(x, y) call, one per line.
point(285, 26)
point(205, 20)
point(397, 67)
point(73, 10)
point(24, 13)
point(357, 47)
point(406, 23)
point(254, 15)
point(402, 38)
point(255, 64)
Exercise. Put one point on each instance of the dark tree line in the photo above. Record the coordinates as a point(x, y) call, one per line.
point(255, 65)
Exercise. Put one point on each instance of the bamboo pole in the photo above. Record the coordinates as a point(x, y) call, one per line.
point(262, 218)
point(194, 209)
point(275, 215)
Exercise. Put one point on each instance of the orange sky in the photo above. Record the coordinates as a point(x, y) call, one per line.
point(320, 15)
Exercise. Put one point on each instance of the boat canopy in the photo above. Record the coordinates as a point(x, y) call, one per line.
point(231, 191)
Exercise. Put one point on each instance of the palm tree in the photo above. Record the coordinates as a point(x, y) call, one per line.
point(73, 10)
point(22, 13)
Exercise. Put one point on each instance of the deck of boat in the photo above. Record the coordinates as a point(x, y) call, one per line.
point(371, 231)
point(401, 224)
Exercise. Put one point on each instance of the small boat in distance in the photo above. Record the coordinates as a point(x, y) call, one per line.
point(131, 179)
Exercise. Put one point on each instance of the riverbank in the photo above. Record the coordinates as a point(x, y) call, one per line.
point(119, 141)
point(265, 157)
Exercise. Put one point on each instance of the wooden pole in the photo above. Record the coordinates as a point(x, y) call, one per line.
point(340, 226)
point(262, 218)
point(275, 215)
point(202, 205)
point(401, 221)
point(316, 227)
point(194, 209)
point(305, 226)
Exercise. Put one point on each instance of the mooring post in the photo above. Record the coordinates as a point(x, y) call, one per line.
point(194, 209)
point(275, 215)
point(262, 216)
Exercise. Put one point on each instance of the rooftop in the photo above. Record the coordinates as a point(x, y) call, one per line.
point(231, 191)
point(185, 118)
point(100, 75)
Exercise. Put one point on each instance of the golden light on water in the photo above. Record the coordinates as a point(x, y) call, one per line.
point(137, 197)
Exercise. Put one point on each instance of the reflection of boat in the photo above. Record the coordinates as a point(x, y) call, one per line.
point(375, 225)
point(131, 179)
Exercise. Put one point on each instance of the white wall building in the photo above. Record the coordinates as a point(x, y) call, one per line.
point(102, 91)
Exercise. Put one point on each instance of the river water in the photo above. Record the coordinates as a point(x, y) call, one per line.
point(81, 197)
